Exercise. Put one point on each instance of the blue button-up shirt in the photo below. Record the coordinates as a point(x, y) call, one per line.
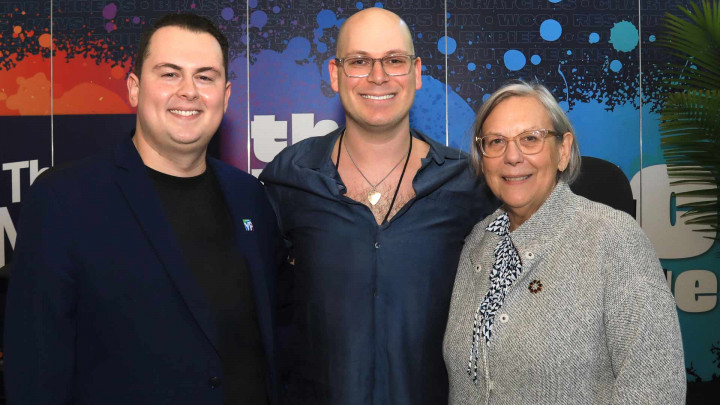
point(367, 304)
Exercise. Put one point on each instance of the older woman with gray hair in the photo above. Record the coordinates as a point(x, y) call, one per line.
point(558, 299)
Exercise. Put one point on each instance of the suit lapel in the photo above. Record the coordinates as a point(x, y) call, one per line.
point(136, 186)
point(242, 206)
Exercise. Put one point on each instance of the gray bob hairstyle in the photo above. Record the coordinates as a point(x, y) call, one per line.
point(561, 123)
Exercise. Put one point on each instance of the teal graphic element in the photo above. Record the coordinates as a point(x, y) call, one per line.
point(624, 36)
point(248, 225)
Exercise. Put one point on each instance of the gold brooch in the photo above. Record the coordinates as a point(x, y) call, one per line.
point(535, 286)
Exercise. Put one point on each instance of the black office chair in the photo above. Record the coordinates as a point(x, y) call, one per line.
point(603, 182)
point(5, 271)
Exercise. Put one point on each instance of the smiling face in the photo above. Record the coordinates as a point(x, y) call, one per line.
point(377, 102)
point(523, 182)
point(182, 95)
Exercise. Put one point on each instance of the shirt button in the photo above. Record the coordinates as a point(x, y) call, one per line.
point(504, 318)
point(490, 385)
point(214, 382)
point(530, 255)
point(478, 268)
point(377, 245)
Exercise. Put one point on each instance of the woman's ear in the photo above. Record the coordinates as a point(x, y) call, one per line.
point(565, 150)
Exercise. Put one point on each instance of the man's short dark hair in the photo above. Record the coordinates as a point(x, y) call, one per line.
point(187, 21)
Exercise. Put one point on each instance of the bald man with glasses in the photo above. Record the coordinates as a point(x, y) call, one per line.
point(374, 215)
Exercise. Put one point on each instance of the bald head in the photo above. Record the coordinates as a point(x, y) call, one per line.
point(373, 21)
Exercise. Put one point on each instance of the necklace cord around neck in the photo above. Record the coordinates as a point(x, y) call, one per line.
point(374, 186)
point(337, 159)
point(402, 174)
point(392, 203)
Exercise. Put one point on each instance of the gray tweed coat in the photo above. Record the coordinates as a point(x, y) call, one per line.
point(603, 329)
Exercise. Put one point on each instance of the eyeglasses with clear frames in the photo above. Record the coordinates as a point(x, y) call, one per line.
point(529, 142)
point(361, 66)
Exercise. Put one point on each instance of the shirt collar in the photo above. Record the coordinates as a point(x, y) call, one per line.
point(320, 157)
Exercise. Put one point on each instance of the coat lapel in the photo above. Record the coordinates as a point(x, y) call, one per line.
point(242, 206)
point(136, 186)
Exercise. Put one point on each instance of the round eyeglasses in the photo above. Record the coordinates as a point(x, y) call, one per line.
point(529, 142)
point(361, 66)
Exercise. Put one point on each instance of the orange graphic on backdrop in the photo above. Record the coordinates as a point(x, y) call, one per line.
point(44, 40)
point(81, 85)
point(32, 96)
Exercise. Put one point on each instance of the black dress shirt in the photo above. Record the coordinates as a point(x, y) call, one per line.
point(368, 303)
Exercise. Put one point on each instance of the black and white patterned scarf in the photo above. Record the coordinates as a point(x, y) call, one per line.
point(506, 269)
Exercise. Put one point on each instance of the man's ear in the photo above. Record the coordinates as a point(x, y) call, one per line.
point(228, 90)
point(334, 71)
point(133, 85)
point(418, 73)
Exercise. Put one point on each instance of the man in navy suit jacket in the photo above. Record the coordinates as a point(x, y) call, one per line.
point(146, 275)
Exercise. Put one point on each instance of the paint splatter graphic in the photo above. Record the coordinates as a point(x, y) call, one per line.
point(624, 36)
point(579, 54)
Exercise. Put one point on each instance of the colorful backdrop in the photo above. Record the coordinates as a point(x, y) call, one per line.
point(63, 65)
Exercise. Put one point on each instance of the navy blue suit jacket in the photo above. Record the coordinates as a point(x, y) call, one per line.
point(103, 309)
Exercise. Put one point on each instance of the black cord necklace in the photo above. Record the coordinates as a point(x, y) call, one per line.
point(402, 175)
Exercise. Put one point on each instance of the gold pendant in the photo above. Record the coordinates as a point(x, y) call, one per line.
point(374, 197)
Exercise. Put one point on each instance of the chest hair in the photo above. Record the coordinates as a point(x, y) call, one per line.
point(379, 210)
point(358, 189)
